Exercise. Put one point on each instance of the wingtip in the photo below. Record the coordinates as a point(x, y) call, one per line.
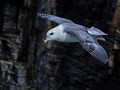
point(100, 54)
point(103, 59)
point(42, 14)
point(38, 14)
point(105, 62)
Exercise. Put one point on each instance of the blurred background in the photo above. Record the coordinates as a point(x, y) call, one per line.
point(26, 63)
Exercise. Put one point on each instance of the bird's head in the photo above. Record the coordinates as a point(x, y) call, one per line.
point(55, 34)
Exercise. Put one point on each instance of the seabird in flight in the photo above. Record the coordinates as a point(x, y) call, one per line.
point(68, 31)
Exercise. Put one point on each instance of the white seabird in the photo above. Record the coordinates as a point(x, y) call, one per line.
point(68, 31)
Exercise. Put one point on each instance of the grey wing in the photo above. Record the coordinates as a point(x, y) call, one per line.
point(56, 19)
point(91, 46)
point(97, 51)
point(95, 32)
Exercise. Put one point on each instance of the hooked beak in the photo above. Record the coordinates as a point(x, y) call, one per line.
point(45, 41)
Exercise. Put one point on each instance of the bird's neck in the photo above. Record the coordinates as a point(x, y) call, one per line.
point(63, 36)
point(61, 33)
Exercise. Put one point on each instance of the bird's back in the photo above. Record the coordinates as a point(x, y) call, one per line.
point(81, 30)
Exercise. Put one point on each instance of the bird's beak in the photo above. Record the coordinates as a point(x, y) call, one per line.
point(45, 41)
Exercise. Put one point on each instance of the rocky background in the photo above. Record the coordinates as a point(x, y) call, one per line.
point(26, 63)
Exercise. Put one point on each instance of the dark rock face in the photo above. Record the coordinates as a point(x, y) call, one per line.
point(73, 68)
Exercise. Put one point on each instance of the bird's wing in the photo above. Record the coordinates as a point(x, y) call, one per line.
point(56, 19)
point(96, 50)
point(95, 32)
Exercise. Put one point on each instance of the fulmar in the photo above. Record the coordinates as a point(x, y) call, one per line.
point(68, 31)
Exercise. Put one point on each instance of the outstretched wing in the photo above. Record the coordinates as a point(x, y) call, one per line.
point(89, 44)
point(56, 19)
point(97, 51)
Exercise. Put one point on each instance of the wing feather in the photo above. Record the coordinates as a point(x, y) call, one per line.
point(99, 53)
point(56, 19)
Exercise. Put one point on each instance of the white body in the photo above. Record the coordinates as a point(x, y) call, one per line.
point(60, 35)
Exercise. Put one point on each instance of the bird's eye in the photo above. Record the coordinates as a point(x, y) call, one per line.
point(51, 33)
